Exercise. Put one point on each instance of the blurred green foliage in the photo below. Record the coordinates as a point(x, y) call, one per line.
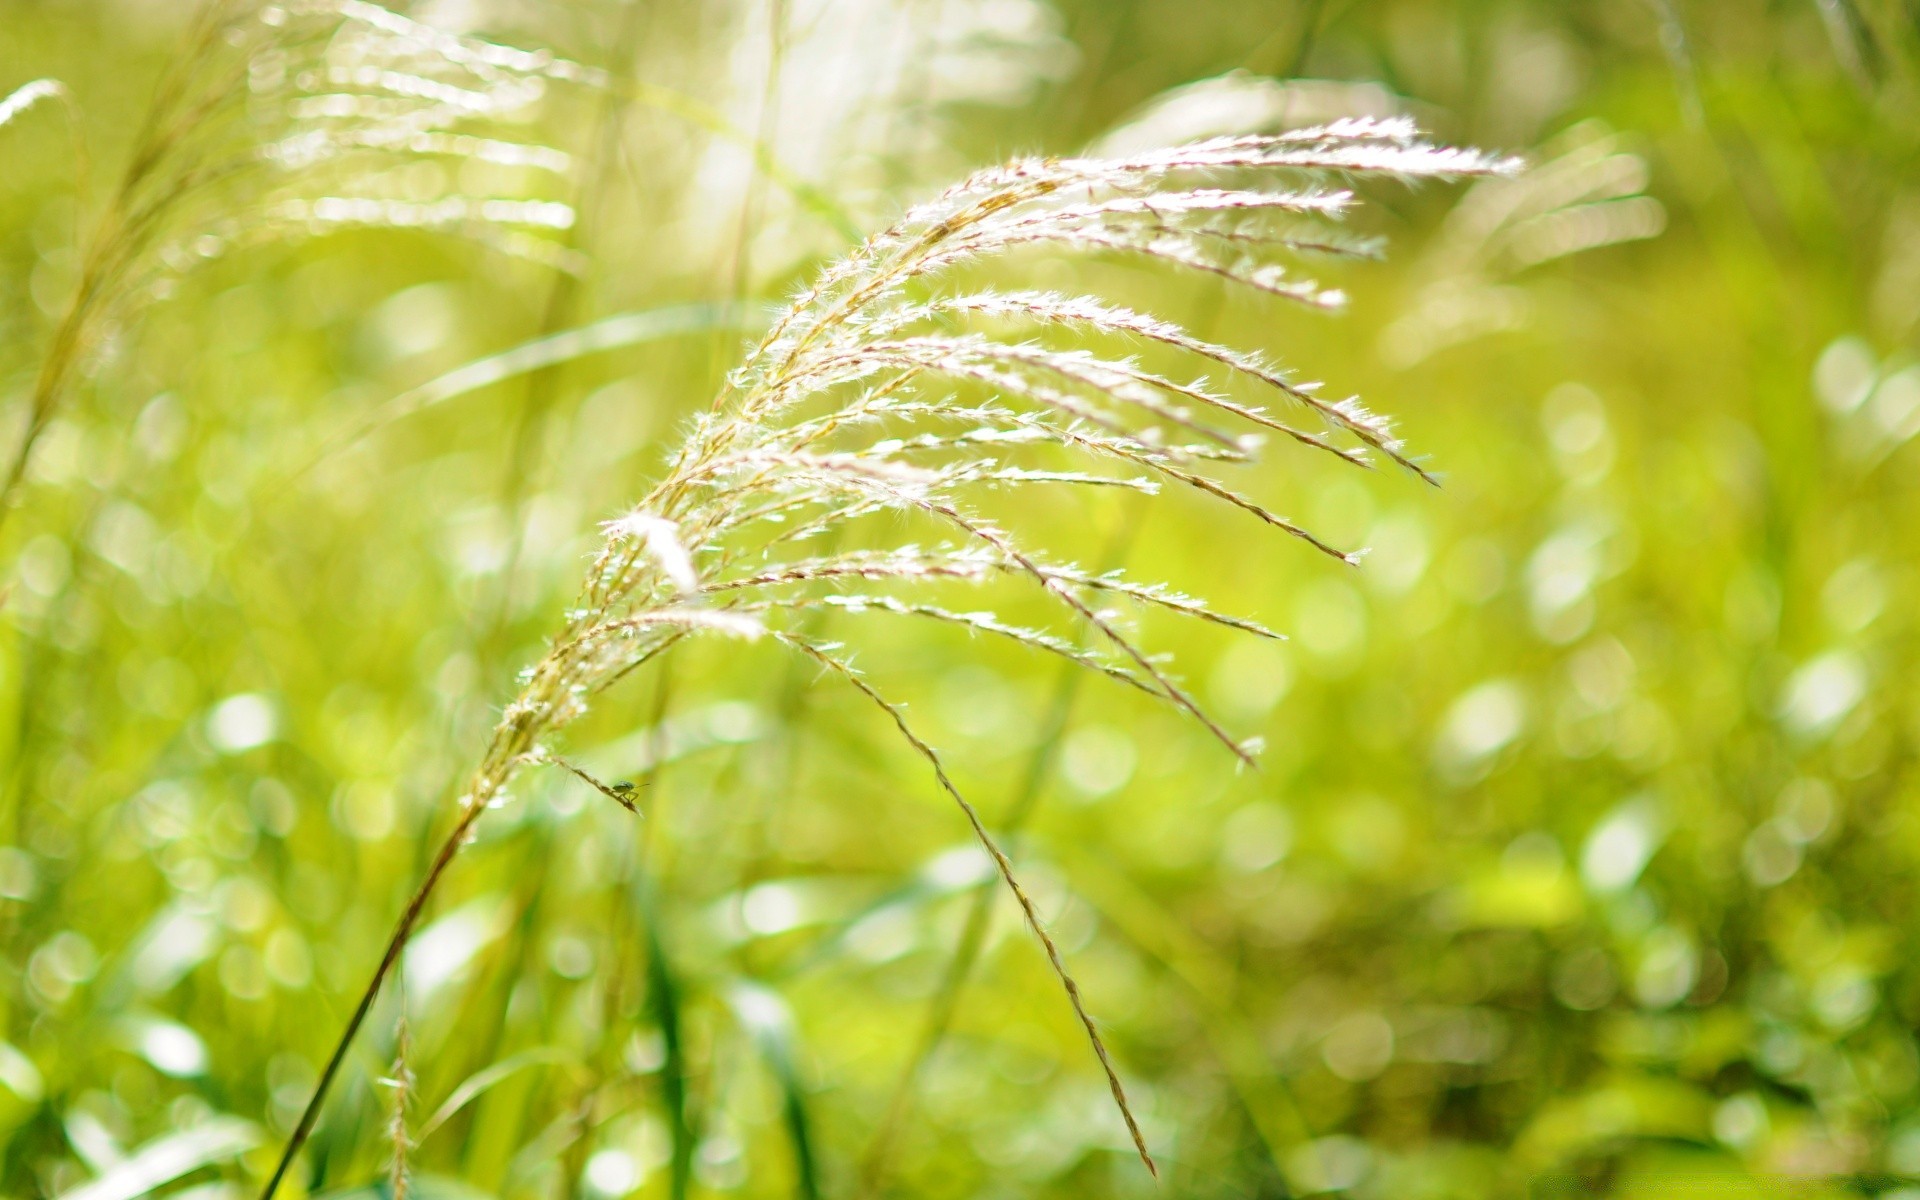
point(1583, 853)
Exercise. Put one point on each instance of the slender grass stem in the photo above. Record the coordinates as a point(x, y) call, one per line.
point(973, 935)
point(664, 998)
point(1004, 866)
point(396, 944)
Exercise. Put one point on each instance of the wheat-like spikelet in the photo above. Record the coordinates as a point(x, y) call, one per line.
point(853, 406)
point(288, 120)
point(401, 1080)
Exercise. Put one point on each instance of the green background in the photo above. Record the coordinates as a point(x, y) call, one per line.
point(1582, 853)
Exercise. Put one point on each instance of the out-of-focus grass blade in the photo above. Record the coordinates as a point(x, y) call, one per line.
point(764, 1014)
point(713, 120)
point(500, 1116)
point(423, 1187)
point(611, 333)
point(477, 1083)
point(664, 997)
point(950, 872)
point(167, 1158)
point(1277, 1115)
point(443, 949)
point(19, 1074)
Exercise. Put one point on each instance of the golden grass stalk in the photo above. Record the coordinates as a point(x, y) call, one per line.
point(862, 401)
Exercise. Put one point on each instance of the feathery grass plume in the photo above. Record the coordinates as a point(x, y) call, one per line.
point(285, 120)
point(854, 406)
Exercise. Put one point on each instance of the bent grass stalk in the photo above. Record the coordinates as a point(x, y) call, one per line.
point(973, 934)
point(863, 410)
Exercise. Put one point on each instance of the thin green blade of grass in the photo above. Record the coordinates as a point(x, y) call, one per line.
point(616, 332)
point(477, 1084)
point(925, 889)
point(764, 1014)
point(169, 1157)
point(510, 1102)
point(665, 997)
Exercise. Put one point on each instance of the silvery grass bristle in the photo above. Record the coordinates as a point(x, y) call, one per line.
point(852, 407)
point(277, 121)
point(29, 94)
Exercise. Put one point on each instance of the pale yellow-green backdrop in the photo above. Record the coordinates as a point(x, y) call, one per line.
point(1582, 852)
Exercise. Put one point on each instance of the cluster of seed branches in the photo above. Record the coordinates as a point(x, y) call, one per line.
point(876, 394)
point(287, 120)
point(367, 94)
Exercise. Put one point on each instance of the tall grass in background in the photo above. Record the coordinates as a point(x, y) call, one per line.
point(261, 109)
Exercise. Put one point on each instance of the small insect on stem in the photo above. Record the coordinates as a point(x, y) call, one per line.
point(620, 792)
